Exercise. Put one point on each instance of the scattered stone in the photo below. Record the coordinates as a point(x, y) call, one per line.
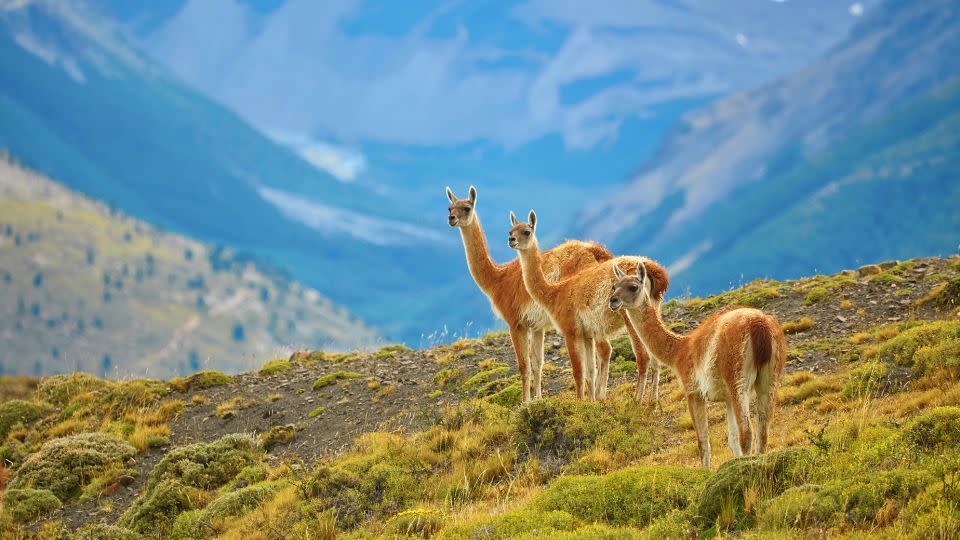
point(869, 270)
point(886, 265)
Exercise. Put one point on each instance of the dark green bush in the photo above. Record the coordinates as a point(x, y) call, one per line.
point(25, 505)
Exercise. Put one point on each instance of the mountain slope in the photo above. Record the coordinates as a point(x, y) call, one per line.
point(81, 105)
point(85, 288)
point(433, 443)
point(729, 169)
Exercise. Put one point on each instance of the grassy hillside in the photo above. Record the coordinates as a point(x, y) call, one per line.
point(433, 443)
point(85, 288)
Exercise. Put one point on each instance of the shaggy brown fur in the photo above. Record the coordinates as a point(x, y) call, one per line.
point(578, 306)
point(736, 355)
point(503, 285)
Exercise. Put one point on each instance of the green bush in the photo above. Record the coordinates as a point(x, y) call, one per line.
point(278, 436)
point(207, 465)
point(765, 475)
point(26, 504)
point(416, 522)
point(61, 389)
point(481, 378)
point(390, 350)
point(154, 512)
point(935, 431)
point(17, 411)
point(872, 379)
point(622, 351)
point(815, 295)
point(204, 523)
point(511, 525)
point(67, 464)
point(633, 496)
point(200, 380)
point(595, 531)
point(949, 296)
point(444, 376)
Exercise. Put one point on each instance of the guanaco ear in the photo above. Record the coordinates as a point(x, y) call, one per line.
point(642, 272)
point(513, 219)
point(450, 195)
point(616, 270)
point(533, 220)
point(473, 195)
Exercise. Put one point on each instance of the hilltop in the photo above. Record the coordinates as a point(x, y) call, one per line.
point(86, 288)
point(433, 442)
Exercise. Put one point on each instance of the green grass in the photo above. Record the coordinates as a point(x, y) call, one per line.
point(332, 378)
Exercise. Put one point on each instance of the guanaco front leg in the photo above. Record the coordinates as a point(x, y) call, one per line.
point(698, 413)
point(521, 347)
point(536, 359)
point(604, 350)
point(576, 363)
point(589, 357)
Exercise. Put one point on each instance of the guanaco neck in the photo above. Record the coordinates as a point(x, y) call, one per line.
point(662, 342)
point(484, 271)
point(531, 266)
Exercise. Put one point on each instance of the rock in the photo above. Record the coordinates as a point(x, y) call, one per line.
point(869, 270)
point(849, 272)
point(886, 265)
point(841, 318)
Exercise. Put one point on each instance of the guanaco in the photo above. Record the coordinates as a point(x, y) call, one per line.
point(503, 285)
point(577, 304)
point(736, 356)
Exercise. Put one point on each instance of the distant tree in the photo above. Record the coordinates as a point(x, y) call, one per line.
point(150, 263)
point(81, 327)
point(7, 277)
point(201, 303)
point(238, 333)
point(35, 309)
point(55, 352)
point(138, 276)
point(125, 270)
point(106, 296)
point(196, 283)
point(59, 216)
point(8, 230)
point(106, 278)
point(188, 254)
point(91, 256)
point(127, 237)
point(16, 239)
point(264, 294)
point(107, 364)
point(38, 280)
point(98, 323)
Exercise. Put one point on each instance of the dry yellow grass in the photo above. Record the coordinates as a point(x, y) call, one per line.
point(800, 325)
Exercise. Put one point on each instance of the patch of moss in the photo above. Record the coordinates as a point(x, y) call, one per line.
point(18, 411)
point(445, 376)
point(419, 522)
point(812, 387)
point(633, 496)
point(317, 412)
point(200, 380)
point(278, 365)
point(757, 293)
point(815, 295)
point(390, 351)
point(211, 520)
point(496, 385)
point(510, 396)
point(62, 389)
point(935, 431)
point(26, 504)
point(482, 377)
point(872, 379)
point(331, 378)
point(65, 465)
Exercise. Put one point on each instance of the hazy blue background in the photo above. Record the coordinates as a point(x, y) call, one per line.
point(730, 140)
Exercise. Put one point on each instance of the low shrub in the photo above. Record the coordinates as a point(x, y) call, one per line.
point(102, 531)
point(200, 380)
point(633, 496)
point(207, 465)
point(390, 351)
point(26, 504)
point(800, 325)
point(154, 512)
point(279, 435)
point(510, 396)
point(751, 479)
point(65, 465)
point(420, 522)
point(18, 411)
point(444, 376)
point(512, 525)
point(872, 379)
point(61, 389)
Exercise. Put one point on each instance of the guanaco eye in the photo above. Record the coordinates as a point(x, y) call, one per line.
point(526, 233)
point(467, 210)
point(634, 288)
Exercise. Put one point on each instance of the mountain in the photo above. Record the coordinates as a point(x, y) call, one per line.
point(829, 166)
point(82, 105)
point(85, 287)
point(434, 443)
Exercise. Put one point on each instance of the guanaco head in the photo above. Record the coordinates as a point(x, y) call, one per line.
point(461, 213)
point(522, 234)
point(630, 290)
